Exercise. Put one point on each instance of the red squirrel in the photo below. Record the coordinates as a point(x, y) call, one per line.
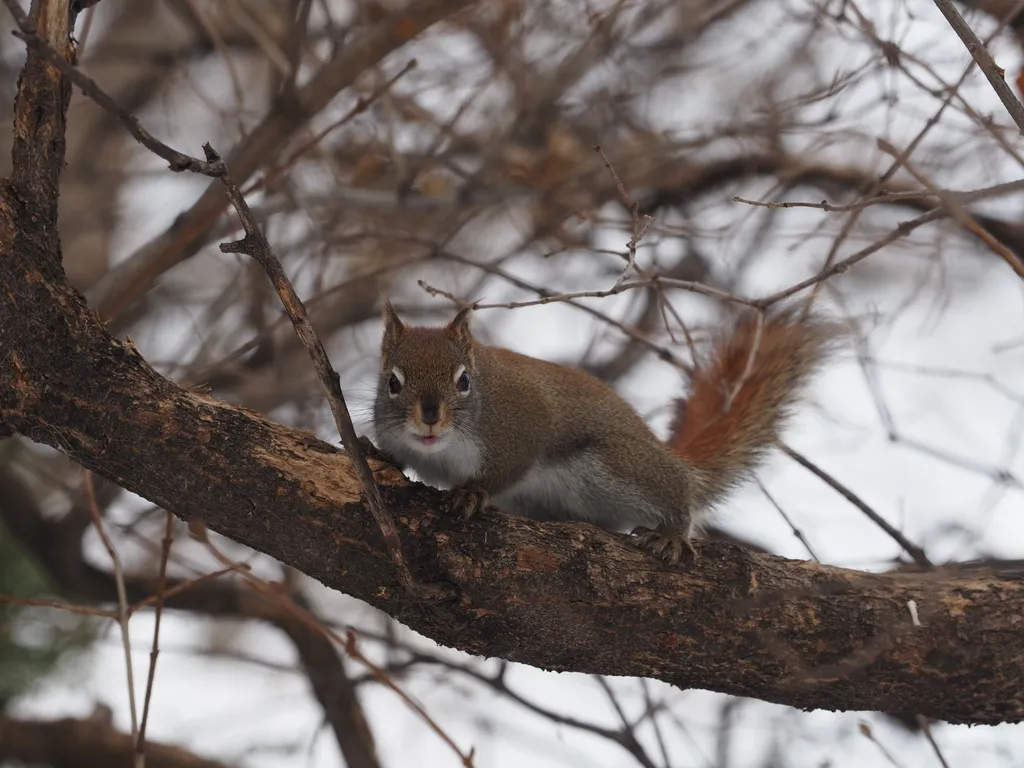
point(551, 442)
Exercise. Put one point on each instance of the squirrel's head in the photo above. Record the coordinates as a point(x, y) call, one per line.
point(426, 391)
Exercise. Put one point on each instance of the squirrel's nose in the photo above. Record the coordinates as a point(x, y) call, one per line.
point(430, 411)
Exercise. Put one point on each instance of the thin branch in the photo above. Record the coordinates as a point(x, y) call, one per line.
point(796, 531)
point(956, 210)
point(649, 282)
point(255, 244)
point(640, 225)
point(909, 547)
point(364, 103)
point(58, 605)
point(985, 62)
point(165, 553)
point(906, 196)
point(178, 161)
point(309, 620)
point(122, 607)
point(185, 586)
point(901, 230)
point(927, 729)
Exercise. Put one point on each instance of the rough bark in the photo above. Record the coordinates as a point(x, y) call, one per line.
point(556, 596)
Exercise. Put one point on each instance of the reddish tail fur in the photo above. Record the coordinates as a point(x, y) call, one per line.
point(740, 397)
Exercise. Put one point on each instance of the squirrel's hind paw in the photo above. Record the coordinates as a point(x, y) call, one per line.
point(666, 541)
point(468, 501)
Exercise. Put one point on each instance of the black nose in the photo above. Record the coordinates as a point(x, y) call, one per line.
point(430, 409)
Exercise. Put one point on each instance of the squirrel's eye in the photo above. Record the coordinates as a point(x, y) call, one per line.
point(462, 383)
point(394, 385)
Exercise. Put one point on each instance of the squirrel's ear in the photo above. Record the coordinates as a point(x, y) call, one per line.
point(394, 328)
point(458, 328)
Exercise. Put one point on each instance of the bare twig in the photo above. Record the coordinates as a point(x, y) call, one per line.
point(382, 677)
point(499, 684)
point(627, 735)
point(796, 531)
point(122, 608)
point(903, 229)
point(185, 586)
point(255, 244)
point(956, 210)
point(650, 282)
point(985, 62)
point(309, 620)
point(360, 106)
point(959, 196)
point(640, 224)
point(58, 605)
point(663, 353)
point(178, 161)
point(927, 729)
point(165, 553)
point(909, 547)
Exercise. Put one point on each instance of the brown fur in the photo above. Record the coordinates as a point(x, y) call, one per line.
point(738, 404)
point(523, 414)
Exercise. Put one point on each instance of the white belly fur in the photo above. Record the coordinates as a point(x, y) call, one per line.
point(446, 467)
point(579, 489)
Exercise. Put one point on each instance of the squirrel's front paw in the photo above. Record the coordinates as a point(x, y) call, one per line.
point(468, 501)
point(665, 541)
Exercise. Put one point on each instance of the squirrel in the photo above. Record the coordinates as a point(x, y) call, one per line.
point(552, 442)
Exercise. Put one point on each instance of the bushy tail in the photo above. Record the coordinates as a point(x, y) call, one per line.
point(742, 394)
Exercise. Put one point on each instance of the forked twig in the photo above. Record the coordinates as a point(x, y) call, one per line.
point(177, 161)
point(640, 224)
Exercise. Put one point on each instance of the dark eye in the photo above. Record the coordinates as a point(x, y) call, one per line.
point(462, 383)
point(394, 385)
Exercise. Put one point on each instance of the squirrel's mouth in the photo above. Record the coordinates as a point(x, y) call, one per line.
point(427, 441)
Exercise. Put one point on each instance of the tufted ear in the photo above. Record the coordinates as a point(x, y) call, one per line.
point(458, 329)
point(394, 328)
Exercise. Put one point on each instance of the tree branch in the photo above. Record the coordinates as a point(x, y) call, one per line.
point(70, 743)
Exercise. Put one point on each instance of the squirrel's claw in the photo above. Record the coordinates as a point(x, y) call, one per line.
point(666, 542)
point(468, 501)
